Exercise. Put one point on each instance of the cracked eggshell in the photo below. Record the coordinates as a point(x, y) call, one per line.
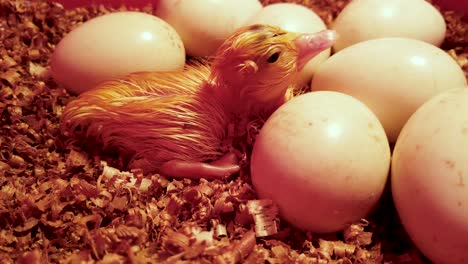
point(323, 158)
point(114, 45)
point(205, 24)
point(392, 76)
point(363, 20)
point(294, 18)
point(430, 177)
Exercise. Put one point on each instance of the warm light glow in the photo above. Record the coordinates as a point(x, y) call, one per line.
point(148, 36)
point(334, 131)
point(387, 12)
point(417, 60)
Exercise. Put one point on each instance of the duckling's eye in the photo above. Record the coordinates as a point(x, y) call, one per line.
point(273, 58)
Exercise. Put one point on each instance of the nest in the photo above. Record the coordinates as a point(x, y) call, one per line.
point(65, 205)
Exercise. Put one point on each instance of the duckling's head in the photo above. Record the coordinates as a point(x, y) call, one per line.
point(260, 62)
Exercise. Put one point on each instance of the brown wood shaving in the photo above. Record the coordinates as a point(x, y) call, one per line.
point(355, 234)
point(238, 250)
point(265, 216)
point(61, 203)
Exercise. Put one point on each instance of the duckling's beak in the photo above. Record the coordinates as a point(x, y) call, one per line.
point(309, 45)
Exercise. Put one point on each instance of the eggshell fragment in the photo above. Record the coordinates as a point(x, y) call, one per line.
point(363, 20)
point(392, 76)
point(114, 45)
point(294, 18)
point(430, 176)
point(323, 157)
point(205, 24)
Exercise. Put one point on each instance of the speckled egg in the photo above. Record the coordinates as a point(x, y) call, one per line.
point(363, 20)
point(115, 45)
point(430, 177)
point(392, 76)
point(323, 158)
point(205, 24)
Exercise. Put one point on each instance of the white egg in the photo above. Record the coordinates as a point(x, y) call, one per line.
point(392, 76)
point(115, 45)
point(205, 24)
point(294, 18)
point(430, 177)
point(323, 158)
point(363, 20)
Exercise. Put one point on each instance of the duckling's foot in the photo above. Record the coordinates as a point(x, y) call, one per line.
point(226, 160)
point(218, 169)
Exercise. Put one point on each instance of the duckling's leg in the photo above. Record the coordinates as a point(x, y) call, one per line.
point(218, 169)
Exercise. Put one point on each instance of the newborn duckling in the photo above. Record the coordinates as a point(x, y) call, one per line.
point(174, 123)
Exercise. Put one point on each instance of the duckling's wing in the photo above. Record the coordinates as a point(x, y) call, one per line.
point(163, 83)
point(141, 86)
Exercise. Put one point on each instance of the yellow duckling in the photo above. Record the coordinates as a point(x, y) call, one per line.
point(174, 123)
